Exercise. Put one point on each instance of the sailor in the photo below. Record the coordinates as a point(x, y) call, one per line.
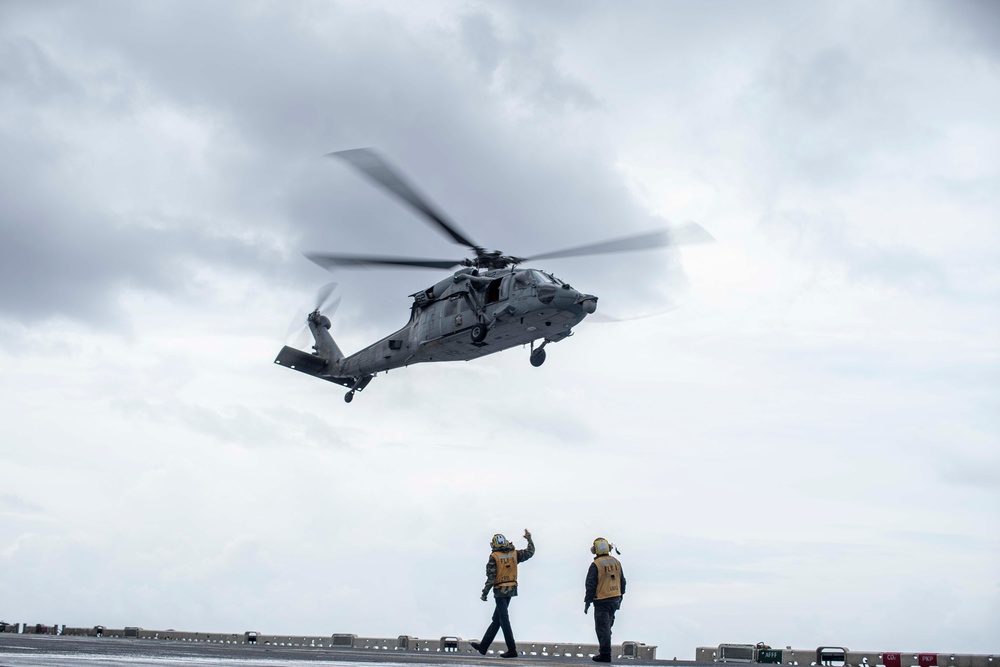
point(501, 576)
point(605, 588)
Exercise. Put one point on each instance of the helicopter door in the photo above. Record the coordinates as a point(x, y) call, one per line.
point(455, 314)
point(498, 290)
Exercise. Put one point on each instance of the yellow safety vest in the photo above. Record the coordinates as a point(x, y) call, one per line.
point(506, 562)
point(609, 578)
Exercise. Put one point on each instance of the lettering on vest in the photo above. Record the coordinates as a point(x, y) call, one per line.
point(506, 562)
point(609, 578)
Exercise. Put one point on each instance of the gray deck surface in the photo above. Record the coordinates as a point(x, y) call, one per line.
point(18, 650)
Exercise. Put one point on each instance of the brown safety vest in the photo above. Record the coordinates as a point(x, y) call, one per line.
point(609, 577)
point(506, 562)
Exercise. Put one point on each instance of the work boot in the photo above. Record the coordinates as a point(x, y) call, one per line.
point(478, 647)
point(602, 657)
point(511, 653)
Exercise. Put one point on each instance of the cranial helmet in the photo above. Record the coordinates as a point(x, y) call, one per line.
point(499, 541)
point(601, 547)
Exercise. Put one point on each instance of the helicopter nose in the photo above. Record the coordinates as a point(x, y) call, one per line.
point(546, 293)
point(588, 302)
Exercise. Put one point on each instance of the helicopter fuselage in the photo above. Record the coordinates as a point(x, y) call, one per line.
point(517, 307)
point(466, 316)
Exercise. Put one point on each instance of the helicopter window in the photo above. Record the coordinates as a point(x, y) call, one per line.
point(542, 279)
point(493, 291)
point(522, 279)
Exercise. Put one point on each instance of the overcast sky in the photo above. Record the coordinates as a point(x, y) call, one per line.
point(803, 450)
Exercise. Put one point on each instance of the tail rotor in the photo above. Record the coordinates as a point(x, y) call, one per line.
point(325, 303)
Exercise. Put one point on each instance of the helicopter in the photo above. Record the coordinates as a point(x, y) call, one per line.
point(489, 303)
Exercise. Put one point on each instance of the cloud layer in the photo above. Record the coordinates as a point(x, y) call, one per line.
point(804, 452)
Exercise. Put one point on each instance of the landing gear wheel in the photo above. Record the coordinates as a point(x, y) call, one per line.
point(537, 357)
point(349, 396)
point(479, 333)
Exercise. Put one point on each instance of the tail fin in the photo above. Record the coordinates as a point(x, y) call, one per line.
point(325, 363)
point(326, 348)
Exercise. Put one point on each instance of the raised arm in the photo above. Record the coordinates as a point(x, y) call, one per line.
point(525, 554)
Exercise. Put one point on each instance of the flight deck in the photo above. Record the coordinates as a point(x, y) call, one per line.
point(53, 646)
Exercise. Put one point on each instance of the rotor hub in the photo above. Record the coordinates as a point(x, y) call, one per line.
point(491, 260)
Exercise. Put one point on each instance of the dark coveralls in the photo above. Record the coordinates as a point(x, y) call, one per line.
point(502, 597)
point(604, 610)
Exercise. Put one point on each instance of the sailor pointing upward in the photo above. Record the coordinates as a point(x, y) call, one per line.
point(501, 576)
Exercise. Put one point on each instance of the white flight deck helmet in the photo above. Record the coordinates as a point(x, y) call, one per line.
point(601, 547)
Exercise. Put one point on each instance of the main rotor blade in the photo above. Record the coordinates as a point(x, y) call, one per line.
point(683, 235)
point(362, 261)
point(371, 165)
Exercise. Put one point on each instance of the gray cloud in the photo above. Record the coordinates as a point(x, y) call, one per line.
point(13, 503)
point(265, 101)
point(241, 426)
point(481, 40)
point(827, 245)
point(971, 26)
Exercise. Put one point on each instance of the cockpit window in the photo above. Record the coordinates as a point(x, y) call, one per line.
point(523, 278)
point(542, 279)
